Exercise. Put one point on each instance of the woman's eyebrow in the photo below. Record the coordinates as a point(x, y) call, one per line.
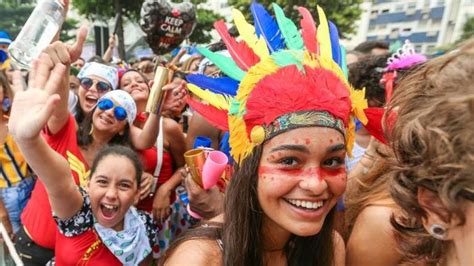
point(299, 148)
point(336, 147)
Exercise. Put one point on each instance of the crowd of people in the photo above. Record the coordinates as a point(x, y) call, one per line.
point(364, 157)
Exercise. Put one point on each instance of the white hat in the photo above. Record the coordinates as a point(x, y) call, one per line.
point(107, 72)
point(125, 100)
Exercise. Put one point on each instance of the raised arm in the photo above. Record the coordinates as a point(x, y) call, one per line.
point(31, 110)
point(146, 137)
point(54, 54)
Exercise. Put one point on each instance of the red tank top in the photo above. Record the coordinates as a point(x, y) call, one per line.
point(149, 160)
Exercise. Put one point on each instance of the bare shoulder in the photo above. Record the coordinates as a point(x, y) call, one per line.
point(196, 252)
point(372, 241)
point(339, 250)
point(169, 125)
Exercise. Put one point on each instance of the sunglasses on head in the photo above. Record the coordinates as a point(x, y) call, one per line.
point(119, 112)
point(102, 86)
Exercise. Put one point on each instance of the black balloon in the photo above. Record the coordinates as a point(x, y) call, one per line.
point(166, 24)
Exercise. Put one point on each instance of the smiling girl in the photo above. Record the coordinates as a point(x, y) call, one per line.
point(290, 125)
point(99, 226)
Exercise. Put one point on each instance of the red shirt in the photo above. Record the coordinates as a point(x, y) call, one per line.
point(70, 251)
point(149, 161)
point(37, 216)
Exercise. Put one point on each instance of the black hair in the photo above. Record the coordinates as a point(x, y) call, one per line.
point(97, 59)
point(367, 46)
point(367, 73)
point(119, 150)
point(84, 136)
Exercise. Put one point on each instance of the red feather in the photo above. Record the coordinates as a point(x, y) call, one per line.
point(214, 116)
point(374, 126)
point(308, 30)
point(291, 90)
point(242, 54)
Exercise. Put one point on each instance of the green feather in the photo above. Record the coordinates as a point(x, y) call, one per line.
point(289, 57)
point(292, 36)
point(224, 63)
point(344, 63)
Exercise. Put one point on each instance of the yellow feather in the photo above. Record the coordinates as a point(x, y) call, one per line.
point(323, 34)
point(350, 136)
point(254, 75)
point(247, 33)
point(359, 103)
point(219, 101)
point(238, 139)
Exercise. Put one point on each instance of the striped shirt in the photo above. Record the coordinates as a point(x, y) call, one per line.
point(14, 167)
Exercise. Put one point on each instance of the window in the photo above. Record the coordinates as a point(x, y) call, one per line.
point(374, 12)
point(372, 27)
point(399, 8)
point(411, 5)
point(407, 30)
point(382, 26)
point(418, 48)
point(385, 11)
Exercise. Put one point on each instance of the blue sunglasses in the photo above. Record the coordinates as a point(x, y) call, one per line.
point(119, 112)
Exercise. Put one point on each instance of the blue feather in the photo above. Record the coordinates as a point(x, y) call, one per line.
point(266, 26)
point(336, 49)
point(224, 85)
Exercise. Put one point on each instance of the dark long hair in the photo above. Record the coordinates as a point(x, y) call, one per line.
point(243, 217)
point(242, 228)
point(84, 136)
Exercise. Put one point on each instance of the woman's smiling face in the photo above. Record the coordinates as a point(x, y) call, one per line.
point(300, 178)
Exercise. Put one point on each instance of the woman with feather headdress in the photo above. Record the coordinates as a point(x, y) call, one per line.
point(291, 121)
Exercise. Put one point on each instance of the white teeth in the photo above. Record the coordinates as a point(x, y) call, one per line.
point(110, 207)
point(306, 204)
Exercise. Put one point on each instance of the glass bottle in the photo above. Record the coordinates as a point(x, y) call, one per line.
point(38, 32)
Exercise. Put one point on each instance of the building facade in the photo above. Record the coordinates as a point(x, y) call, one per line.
point(426, 23)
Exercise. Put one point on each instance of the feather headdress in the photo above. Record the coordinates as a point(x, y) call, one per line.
point(284, 78)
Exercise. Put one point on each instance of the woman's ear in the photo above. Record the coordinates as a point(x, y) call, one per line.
point(437, 218)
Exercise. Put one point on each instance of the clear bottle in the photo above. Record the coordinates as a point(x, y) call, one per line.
point(38, 32)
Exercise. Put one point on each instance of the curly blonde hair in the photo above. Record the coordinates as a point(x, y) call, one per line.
point(433, 142)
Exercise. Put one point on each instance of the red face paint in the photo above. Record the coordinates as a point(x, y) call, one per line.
point(307, 141)
point(336, 178)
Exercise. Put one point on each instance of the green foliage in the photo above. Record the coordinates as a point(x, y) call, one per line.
point(342, 12)
point(105, 9)
point(13, 17)
point(68, 30)
point(467, 30)
point(205, 21)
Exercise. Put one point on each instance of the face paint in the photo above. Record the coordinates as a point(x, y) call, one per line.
point(300, 183)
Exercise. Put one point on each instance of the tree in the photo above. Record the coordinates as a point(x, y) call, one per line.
point(342, 12)
point(205, 21)
point(13, 17)
point(67, 30)
point(467, 30)
point(106, 9)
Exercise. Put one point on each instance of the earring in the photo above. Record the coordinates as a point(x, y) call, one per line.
point(91, 131)
point(437, 231)
point(6, 104)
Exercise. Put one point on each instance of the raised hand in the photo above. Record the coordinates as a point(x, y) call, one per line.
point(31, 109)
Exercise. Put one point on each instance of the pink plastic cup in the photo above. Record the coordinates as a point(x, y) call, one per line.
point(214, 166)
